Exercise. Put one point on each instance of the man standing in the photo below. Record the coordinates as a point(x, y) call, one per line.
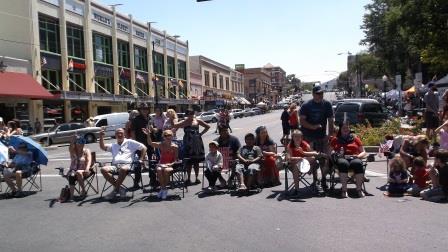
point(314, 115)
point(123, 153)
point(37, 126)
point(431, 100)
point(138, 123)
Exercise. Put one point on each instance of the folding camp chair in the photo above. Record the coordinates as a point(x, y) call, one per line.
point(33, 180)
point(179, 174)
point(130, 173)
point(351, 176)
point(91, 181)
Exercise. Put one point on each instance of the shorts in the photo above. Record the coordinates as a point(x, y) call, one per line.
point(246, 171)
point(319, 145)
point(431, 120)
point(115, 168)
point(8, 172)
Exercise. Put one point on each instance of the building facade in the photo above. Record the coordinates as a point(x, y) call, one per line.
point(278, 78)
point(220, 84)
point(94, 59)
point(257, 85)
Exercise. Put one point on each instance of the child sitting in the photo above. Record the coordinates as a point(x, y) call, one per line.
point(420, 176)
point(19, 167)
point(214, 162)
point(439, 178)
point(398, 176)
point(250, 156)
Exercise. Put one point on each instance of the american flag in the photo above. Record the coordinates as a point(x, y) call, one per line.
point(181, 84)
point(121, 72)
point(43, 61)
point(385, 146)
point(139, 77)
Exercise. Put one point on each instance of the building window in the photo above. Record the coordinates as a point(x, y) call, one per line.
point(215, 80)
point(102, 47)
point(181, 69)
point(106, 83)
point(159, 66)
point(140, 56)
point(170, 65)
point(207, 78)
point(123, 53)
point(125, 83)
point(227, 83)
point(221, 82)
point(51, 79)
point(75, 41)
point(79, 79)
point(161, 87)
point(49, 34)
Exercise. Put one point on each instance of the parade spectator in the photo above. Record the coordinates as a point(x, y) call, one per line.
point(439, 178)
point(314, 115)
point(19, 167)
point(293, 119)
point(420, 177)
point(37, 126)
point(128, 127)
point(139, 123)
point(348, 151)
point(298, 149)
point(398, 177)
point(13, 129)
point(431, 100)
point(171, 119)
point(414, 146)
point(157, 122)
point(80, 162)
point(193, 146)
point(168, 157)
point(123, 153)
point(225, 140)
point(285, 125)
point(442, 130)
point(250, 156)
point(214, 164)
point(269, 175)
point(445, 106)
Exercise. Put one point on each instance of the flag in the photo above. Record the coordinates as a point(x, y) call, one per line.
point(43, 61)
point(121, 72)
point(181, 84)
point(70, 66)
point(139, 77)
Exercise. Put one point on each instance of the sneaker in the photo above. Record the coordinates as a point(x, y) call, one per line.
point(164, 194)
point(344, 194)
point(122, 193)
point(294, 193)
point(111, 195)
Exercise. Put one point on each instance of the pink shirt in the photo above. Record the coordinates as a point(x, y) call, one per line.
point(443, 139)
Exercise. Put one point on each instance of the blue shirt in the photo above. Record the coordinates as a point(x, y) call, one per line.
point(23, 161)
point(316, 113)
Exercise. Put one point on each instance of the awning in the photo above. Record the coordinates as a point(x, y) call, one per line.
point(22, 85)
point(243, 101)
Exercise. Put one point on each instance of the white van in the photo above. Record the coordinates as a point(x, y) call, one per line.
point(111, 121)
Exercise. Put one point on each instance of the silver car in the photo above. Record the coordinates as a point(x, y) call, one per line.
point(208, 117)
point(63, 133)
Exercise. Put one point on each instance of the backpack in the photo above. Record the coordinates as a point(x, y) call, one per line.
point(64, 195)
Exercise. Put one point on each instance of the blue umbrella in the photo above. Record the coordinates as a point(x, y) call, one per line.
point(3, 153)
point(39, 154)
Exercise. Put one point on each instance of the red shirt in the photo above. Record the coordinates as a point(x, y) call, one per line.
point(298, 152)
point(349, 149)
point(294, 118)
point(420, 177)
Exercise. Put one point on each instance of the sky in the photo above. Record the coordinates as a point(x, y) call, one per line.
point(304, 37)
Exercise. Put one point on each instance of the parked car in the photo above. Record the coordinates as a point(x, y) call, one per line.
point(63, 133)
point(249, 112)
point(49, 123)
point(257, 111)
point(26, 127)
point(208, 117)
point(361, 111)
point(237, 113)
point(111, 121)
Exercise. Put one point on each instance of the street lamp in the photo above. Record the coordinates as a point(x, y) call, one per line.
point(384, 88)
point(154, 77)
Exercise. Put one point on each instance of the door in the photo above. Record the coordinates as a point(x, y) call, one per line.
point(62, 134)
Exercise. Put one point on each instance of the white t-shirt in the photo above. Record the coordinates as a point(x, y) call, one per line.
point(125, 152)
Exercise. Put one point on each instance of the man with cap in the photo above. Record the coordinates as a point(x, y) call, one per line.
point(314, 115)
point(138, 123)
point(431, 100)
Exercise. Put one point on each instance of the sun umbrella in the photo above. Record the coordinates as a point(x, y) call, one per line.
point(3, 153)
point(39, 154)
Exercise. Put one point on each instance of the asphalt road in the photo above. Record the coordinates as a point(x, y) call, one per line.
point(267, 221)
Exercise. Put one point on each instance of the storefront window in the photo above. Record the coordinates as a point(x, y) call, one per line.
point(49, 34)
point(171, 69)
point(105, 83)
point(75, 41)
point(77, 82)
point(51, 79)
point(159, 66)
point(102, 47)
point(141, 62)
point(182, 69)
point(123, 53)
point(125, 84)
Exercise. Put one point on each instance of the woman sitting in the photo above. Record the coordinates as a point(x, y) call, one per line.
point(168, 156)
point(81, 159)
point(348, 152)
point(299, 149)
point(19, 167)
point(269, 175)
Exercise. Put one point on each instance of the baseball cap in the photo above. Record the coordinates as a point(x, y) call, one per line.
point(317, 89)
point(214, 142)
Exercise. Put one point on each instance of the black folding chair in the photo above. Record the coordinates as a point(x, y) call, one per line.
point(334, 180)
point(130, 173)
point(90, 181)
point(33, 179)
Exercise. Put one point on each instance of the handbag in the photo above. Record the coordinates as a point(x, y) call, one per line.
point(64, 196)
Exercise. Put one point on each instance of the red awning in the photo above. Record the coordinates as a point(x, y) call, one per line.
point(22, 85)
